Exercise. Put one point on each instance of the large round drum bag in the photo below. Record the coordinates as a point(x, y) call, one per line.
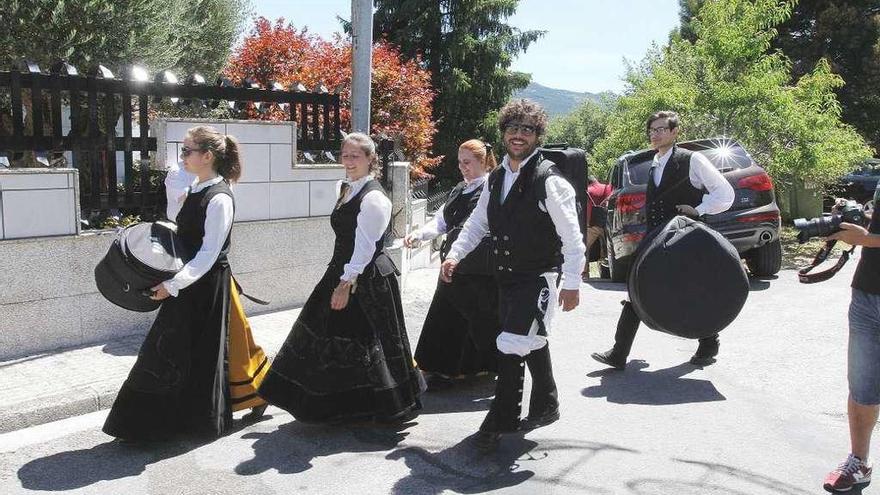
point(687, 280)
point(142, 256)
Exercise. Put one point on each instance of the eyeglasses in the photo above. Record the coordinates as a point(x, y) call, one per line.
point(184, 151)
point(525, 130)
point(657, 130)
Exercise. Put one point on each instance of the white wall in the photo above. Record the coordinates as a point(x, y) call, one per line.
point(37, 202)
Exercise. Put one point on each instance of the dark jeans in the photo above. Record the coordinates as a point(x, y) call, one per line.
point(628, 325)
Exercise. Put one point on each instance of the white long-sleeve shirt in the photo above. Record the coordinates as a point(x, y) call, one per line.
point(702, 174)
point(560, 205)
point(218, 222)
point(437, 225)
point(372, 220)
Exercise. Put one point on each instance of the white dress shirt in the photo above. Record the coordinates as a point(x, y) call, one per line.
point(560, 205)
point(372, 221)
point(702, 175)
point(218, 222)
point(437, 225)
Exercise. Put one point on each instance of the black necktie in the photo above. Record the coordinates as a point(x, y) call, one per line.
point(343, 194)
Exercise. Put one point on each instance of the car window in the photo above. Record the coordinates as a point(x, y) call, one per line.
point(725, 156)
point(638, 171)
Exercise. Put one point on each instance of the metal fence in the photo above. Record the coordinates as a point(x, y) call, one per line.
point(31, 120)
point(432, 190)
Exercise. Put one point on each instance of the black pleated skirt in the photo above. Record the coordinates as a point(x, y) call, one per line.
point(351, 364)
point(179, 382)
point(458, 337)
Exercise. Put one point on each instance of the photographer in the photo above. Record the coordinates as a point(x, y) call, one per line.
point(863, 360)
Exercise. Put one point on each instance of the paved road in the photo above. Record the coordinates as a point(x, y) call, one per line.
point(766, 419)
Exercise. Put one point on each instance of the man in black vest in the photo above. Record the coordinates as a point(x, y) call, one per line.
point(529, 209)
point(681, 182)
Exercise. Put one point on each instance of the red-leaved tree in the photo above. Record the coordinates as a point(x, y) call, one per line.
point(401, 90)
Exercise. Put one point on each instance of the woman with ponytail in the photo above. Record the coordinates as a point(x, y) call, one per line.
point(458, 337)
point(199, 362)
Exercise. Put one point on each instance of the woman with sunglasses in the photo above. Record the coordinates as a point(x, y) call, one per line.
point(347, 356)
point(198, 363)
point(458, 337)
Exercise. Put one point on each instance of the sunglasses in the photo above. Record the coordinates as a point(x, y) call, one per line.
point(525, 130)
point(185, 152)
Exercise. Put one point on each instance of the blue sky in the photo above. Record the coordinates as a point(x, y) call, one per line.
point(584, 47)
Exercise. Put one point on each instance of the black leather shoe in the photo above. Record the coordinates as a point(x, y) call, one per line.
point(549, 417)
point(256, 413)
point(706, 352)
point(610, 358)
point(487, 441)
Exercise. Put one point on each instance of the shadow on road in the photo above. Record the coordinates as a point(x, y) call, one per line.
point(605, 284)
point(759, 284)
point(722, 477)
point(475, 394)
point(107, 461)
point(292, 447)
point(658, 388)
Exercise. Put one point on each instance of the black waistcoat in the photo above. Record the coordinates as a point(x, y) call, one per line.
point(343, 220)
point(192, 215)
point(524, 239)
point(675, 189)
point(867, 277)
point(458, 208)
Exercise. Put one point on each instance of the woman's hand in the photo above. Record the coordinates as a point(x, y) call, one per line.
point(160, 293)
point(339, 299)
point(412, 240)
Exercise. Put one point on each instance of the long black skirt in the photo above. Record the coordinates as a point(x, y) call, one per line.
point(179, 382)
point(458, 337)
point(350, 364)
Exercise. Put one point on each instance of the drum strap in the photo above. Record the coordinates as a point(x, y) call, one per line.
point(252, 298)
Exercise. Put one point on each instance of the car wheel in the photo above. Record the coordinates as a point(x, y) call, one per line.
point(765, 260)
point(617, 270)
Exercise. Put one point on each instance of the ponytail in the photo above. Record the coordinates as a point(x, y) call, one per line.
point(229, 165)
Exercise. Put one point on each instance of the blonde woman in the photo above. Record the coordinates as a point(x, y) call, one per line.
point(348, 356)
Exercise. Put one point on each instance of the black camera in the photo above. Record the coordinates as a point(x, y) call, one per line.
point(848, 211)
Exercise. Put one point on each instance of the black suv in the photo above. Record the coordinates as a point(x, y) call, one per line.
point(751, 224)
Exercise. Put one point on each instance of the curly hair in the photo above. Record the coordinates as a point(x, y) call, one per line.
point(523, 109)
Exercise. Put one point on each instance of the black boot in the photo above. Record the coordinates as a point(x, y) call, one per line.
point(503, 416)
point(544, 401)
point(706, 351)
point(627, 325)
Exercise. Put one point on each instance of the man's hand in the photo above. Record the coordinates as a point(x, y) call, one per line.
point(447, 269)
point(569, 299)
point(160, 293)
point(339, 299)
point(852, 234)
point(688, 211)
point(412, 240)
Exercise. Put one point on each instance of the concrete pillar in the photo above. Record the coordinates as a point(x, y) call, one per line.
point(362, 63)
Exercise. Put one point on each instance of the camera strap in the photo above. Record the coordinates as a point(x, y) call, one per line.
point(806, 277)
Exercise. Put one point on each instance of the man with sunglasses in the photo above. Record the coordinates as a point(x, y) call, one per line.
point(681, 182)
point(529, 210)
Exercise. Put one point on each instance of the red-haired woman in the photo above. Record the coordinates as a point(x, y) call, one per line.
point(458, 337)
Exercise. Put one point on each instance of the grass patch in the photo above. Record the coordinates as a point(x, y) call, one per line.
point(796, 255)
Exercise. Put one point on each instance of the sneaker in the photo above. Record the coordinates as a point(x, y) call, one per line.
point(850, 473)
point(610, 358)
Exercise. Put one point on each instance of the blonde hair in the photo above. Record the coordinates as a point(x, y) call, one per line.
point(482, 151)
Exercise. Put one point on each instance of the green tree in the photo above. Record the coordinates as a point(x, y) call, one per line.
point(582, 127)
point(728, 82)
point(186, 35)
point(468, 48)
point(847, 34)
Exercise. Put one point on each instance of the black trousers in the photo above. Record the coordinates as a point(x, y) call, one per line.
point(628, 325)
